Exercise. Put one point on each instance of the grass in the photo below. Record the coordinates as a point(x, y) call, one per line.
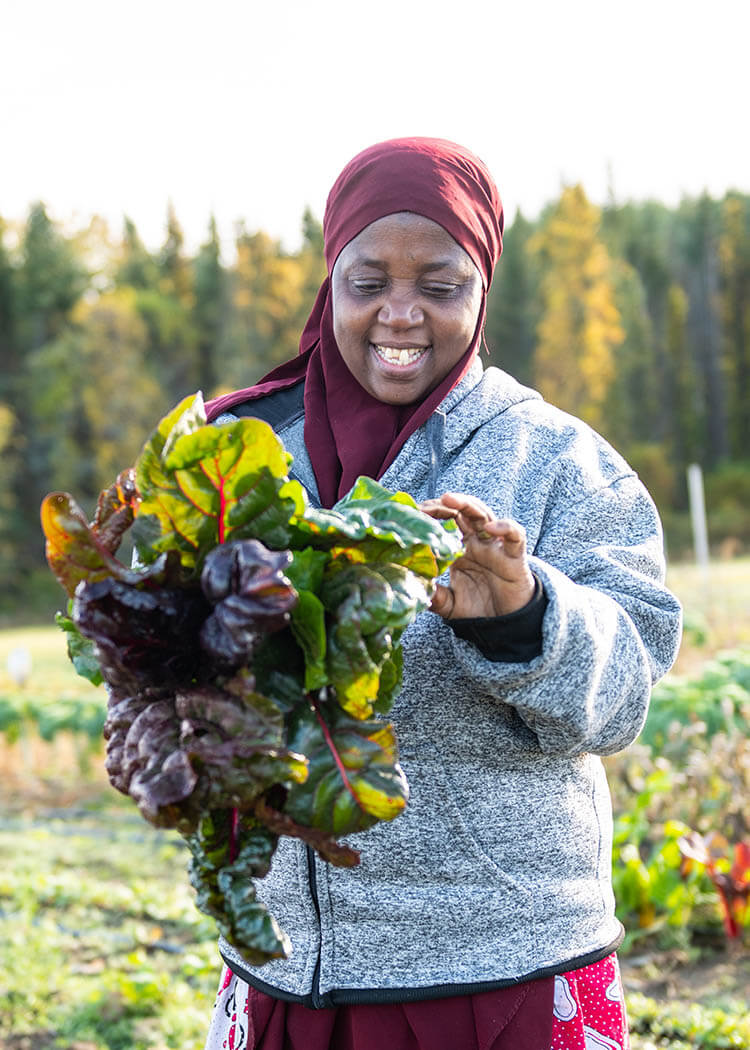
point(100, 943)
point(716, 603)
point(101, 947)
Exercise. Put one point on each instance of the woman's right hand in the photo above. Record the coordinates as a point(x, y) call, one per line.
point(492, 577)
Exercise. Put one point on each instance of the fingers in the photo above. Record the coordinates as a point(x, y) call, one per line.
point(469, 513)
point(442, 602)
point(437, 509)
point(509, 534)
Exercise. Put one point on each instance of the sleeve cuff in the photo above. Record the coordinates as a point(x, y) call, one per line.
point(514, 638)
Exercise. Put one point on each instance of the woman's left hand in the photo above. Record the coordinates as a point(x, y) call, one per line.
point(492, 577)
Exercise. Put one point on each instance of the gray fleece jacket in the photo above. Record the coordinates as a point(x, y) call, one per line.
point(499, 869)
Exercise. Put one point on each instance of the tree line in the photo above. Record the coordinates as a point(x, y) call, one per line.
point(634, 316)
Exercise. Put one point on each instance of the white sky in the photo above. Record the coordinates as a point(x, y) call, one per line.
point(249, 108)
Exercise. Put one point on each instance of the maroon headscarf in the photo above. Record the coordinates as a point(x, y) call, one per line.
point(348, 432)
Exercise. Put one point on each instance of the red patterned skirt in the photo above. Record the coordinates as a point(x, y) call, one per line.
point(580, 1010)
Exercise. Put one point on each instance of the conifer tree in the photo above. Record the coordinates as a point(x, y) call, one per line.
point(580, 327)
point(135, 267)
point(734, 257)
point(512, 304)
point(210, 306)
point(700, 225)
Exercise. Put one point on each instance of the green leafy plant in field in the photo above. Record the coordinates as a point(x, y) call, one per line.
point(687, 1026)
point(653, 895)
point(688, 775)
point(715, 701)
point(20, 715)
point(251, 655)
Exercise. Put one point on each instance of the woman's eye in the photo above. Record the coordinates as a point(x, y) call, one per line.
point(367, 286)
point(440, 291)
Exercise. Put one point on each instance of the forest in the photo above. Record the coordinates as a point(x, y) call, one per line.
point(634, 316)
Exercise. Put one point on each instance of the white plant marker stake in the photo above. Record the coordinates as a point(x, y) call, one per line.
point(698, 514)
point(19, 665)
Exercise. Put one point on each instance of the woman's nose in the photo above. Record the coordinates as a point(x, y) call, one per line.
point(401, 311)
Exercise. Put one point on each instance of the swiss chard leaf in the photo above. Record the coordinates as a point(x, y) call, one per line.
point(371, 525)
point(115, 510)
point(144, 636)
point(237, 741)
point(74, 551)
point(368, 607)
point(309, 629)
point(354, 778)
point(391, 674)
point(81, 651)
point(211, 484)
point(225, 888)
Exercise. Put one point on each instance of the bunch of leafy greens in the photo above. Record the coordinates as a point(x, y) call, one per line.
point(250, 655)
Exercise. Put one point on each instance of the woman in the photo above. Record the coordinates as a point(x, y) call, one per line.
point(483, 916)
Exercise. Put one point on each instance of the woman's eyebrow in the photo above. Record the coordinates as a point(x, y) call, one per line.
point(381, 264)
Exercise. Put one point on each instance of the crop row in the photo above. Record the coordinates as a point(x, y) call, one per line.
point(684, 786)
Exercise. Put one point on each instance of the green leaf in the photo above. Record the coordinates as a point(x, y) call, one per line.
point(354, 778)
point(307, 568)
point(81, 651)
point(371, 525)
point(225, 889)
point(236, 738)
point(369, 609)
point(208, 485)
point(391, 674)
point(309, 628)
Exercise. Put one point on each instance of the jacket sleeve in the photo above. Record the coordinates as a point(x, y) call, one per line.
point(610, 628)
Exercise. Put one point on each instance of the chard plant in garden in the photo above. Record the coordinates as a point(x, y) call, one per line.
point(728, 867)
point(250, 654)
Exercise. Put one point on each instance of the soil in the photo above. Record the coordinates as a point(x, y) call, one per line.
point(715, 977)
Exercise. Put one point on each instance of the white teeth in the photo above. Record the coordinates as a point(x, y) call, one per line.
point(395, 356)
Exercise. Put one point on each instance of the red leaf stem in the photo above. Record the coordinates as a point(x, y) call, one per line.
point(332, 747)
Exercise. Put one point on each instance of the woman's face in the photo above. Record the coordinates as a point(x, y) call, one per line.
point(406, 300)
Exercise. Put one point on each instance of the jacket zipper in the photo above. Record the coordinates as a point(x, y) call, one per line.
point(317, 1001)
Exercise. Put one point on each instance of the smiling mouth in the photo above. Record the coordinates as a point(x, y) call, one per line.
point(402, 356)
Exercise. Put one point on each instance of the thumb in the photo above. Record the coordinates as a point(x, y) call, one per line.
point(442, 602)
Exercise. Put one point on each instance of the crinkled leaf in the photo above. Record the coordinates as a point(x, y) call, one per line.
point(354, 778)
point(245, 922)
point(122, 711)
point(237, 742)
point(159, 776)
point(391, 674)
point(359, 601)
point(252, 598)
point(246, 568)
point(144, 637)
point(410, 595)
point(115, 510)
point(225, 888)
point(201, 748)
